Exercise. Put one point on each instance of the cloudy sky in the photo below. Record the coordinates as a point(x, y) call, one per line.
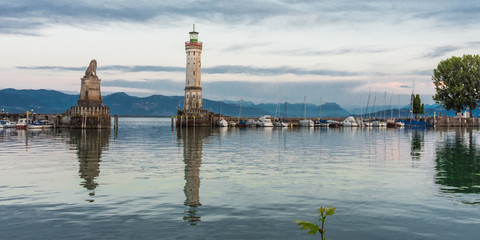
point(263, 51)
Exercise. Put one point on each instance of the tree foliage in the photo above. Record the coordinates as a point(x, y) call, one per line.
point(457, 83)
point(417, 105)
point(314, 228)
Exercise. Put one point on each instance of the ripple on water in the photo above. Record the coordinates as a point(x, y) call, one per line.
point(149, 181)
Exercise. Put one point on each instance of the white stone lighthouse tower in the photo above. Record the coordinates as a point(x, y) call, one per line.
point(193, 80)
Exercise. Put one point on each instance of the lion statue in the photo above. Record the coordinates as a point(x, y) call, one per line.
point(92, 68)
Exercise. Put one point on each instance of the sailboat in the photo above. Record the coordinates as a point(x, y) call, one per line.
point(222, 122)
point(320, 122)
point(305, 122)
point(241, 123)
point(279, 122)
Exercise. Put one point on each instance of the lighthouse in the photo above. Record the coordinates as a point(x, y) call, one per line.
point(193, 79)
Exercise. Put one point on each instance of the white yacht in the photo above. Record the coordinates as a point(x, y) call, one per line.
point(7, 124)
point(280, 124)
point(306, 123)
point(349, 122)
point(251, 123)
point(223, 123)
point(265, 121)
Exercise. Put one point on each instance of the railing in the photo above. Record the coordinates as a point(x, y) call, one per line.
point(193, 44)
point(89, 111)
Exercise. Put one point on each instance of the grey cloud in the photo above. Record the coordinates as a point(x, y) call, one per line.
point(341, 51)
point(441, 51)
point(235, 69)
point(165, 86)
point(32, 15)
point(453, 13)
point(224, 69)
point(53, 68)
point(140, 68)
point(22, 16)
point(245, 46)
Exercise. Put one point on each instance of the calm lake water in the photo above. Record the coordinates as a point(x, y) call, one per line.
point(149, 181)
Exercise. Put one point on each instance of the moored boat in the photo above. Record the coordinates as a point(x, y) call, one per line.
point(39, 124)
point(251, 123)
point(265, 121)
point(349, 122)
point(321, 123)
point(222, 123)
point(333, 123)
point(391, 123)
point(280, 123)
point(241, 124)
point(22, 123)
point(306, 123)
point(7, 124)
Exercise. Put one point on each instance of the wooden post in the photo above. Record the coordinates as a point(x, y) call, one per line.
point(193, 121)
point(115, 122)
point(186, 121)
point(172, 122)
point(181, 121)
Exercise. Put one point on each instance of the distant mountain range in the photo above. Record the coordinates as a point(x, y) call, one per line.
point(55, 102)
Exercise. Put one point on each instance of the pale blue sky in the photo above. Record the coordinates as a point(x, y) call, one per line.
point(255, 50)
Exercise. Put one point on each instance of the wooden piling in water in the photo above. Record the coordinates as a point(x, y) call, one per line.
point(115, 121)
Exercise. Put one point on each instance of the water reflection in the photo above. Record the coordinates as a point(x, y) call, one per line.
point(192, 157)
point(417, 143)
point(89, 144)
point(458, 163)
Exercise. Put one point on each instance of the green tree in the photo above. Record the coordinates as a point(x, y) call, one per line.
point(314, 228)
point(457, 83)
point(417, 106)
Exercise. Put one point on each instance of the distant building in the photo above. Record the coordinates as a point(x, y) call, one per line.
point(193, 79)
point(193, 114)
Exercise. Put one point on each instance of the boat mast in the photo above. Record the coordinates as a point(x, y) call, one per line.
point(398, 106)
point(304, 107)
point(384, 105)
point(221, 107)
point(320, 107)
point(361, 106)
point(240, 115)
point(391, 106)
point(368, 105)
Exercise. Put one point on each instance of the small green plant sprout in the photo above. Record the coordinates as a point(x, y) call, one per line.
point(314, 228)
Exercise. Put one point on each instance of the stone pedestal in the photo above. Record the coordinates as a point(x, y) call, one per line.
point(90, 95)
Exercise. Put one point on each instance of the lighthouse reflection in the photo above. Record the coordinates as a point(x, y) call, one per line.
point(192, 139)
point(89, 144)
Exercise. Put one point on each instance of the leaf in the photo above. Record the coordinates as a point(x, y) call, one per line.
point(313, 228)
point(330, 210)
point(321, 209)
